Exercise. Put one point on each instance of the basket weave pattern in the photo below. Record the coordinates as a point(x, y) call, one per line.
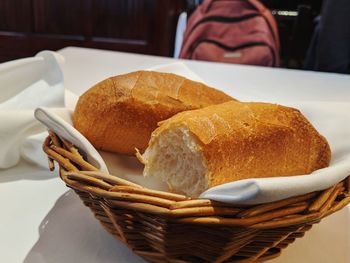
point(166, 227)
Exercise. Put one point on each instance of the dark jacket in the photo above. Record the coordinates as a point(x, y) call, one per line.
point(330, 47)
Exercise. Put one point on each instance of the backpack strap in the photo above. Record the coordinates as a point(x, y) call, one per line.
point(205, 5)
point(269, 18)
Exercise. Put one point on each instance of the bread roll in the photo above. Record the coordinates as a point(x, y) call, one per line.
point(199, 149)
point(120, 113)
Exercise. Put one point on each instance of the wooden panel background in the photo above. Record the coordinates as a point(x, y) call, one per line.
point(63, 17)
point(15, 15)
point(141, 26)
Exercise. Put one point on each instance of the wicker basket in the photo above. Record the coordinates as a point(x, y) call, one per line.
point(166, 227)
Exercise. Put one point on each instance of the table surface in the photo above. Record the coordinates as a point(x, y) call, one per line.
point(42, 221)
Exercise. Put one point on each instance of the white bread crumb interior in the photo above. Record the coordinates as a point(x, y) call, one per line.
point(176, 157)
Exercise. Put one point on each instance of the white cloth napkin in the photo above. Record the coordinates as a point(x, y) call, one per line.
point(59, 120)
point(331, 119)
point(26, 84)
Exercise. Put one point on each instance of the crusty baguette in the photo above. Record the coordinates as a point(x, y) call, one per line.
point(120, 113)
point(199, 149)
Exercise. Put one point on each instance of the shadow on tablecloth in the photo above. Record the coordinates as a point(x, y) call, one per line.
point(26, 171)
point(69, 233)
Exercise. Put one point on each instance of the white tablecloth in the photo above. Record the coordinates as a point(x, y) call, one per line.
point(42, 221)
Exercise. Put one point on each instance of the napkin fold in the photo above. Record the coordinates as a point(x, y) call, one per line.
point(26, 84)
point(59, 120)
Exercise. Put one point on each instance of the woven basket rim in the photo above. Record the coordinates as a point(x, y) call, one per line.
point(151, 223)
point(82, 176)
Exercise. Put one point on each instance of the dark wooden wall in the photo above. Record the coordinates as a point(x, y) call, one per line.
point(141, 26)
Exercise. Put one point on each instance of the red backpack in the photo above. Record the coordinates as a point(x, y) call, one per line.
point(232, 31)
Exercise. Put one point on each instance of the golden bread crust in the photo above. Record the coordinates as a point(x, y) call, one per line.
point(120, 113)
